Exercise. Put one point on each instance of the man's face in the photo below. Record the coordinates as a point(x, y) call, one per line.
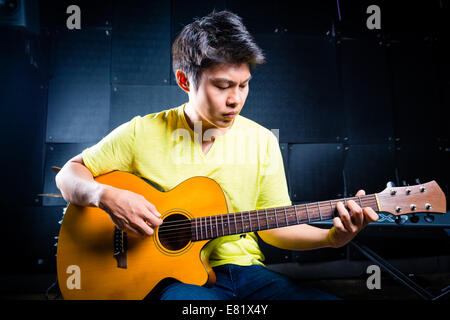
point(222, 90)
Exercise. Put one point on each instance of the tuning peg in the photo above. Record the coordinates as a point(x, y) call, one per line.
point(429, 218)
point(401, 219)
point(417, 181)
point(404, 183)
point(414, 218)
point(390, 184)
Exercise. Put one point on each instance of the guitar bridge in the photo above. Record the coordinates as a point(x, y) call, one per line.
point(120, 248)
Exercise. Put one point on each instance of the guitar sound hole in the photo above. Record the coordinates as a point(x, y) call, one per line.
point(175, 232)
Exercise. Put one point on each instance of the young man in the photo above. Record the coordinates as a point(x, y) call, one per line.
point(212, 60)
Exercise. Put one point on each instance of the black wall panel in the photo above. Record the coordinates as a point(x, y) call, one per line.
point(141, 42)
point(367, 93)
point(32, 249)
point(369, 167)
point(23, 105)
point(298, 17)
point(315, 171)
point(296, 91)
point(425, 162)
point(130, 101)
point(284, 148)
point(416, 92)
point(78, 104)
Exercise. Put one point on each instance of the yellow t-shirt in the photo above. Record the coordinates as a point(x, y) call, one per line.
point(161, 147)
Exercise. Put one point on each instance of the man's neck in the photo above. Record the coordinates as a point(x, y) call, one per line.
point(192, 116)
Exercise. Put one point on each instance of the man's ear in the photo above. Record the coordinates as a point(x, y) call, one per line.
point(182, 81)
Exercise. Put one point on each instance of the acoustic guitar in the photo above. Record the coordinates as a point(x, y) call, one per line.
point(95, 260)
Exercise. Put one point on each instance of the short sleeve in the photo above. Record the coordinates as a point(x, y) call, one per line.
point(273, 190)
point(114, 152)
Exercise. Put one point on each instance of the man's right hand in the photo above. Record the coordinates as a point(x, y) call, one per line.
point(129, 211)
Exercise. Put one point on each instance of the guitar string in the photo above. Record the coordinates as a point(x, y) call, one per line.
point(298, 206)
point(187, 226)
point(175, 237)
point(289, 213)
point(311, 206)
point(245, 215)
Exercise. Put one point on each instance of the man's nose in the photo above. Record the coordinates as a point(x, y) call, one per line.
point(234, 98)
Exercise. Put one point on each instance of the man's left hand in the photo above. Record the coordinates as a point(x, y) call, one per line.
point(350, 222)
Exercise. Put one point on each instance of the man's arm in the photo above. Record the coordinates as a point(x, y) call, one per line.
point(305, 237)
point(128, 210)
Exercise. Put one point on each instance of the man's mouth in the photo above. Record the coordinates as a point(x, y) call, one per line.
point(229, 115)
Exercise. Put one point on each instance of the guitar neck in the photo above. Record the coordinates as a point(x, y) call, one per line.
point(211, 227)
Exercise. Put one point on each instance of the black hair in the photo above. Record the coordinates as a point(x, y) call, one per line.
point(219, 37)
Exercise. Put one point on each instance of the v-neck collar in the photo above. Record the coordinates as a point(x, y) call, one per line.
point(197, 144)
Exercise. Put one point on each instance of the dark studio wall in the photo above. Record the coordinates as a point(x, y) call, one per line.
point(355, 108)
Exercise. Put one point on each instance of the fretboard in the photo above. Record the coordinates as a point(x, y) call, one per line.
point(211, 227)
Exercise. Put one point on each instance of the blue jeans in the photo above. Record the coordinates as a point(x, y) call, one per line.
point(235, 282)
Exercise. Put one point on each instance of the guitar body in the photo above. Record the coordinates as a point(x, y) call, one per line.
point(87, 267)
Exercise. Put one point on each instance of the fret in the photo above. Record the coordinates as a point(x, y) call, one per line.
point(320, 214)
point(360, 203)
point(287, 221)
point(267, 219)
point(307, 214)
point(196, 229)
point(257, 219)
point(331, 205)
point(250, 221)
point(242, 218)
point(276, 219)
point(296, 215)
point(229, 226)
point(210, 221)
point(206, 229)
point(223, 230)
point(235, 224)
point(217, 227)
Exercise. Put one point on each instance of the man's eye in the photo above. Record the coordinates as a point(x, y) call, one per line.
point(222, 88)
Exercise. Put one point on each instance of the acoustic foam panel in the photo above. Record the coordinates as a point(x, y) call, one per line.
point(57, 154)
point(130, 101)
point(369, 167)
point(296, 90)
point(141, 42)
point(418, 112)
point(78, 102)
point(367, 93)
point(315, 171)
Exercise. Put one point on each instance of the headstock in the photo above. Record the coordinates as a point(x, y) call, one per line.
point(420, 198)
